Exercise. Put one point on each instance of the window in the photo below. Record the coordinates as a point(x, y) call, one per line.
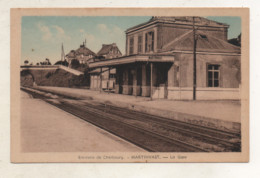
point(131, 46)
point(203, 36)
point(112, 76)
point(140, 43)
point(213, 75)
point(149, 41)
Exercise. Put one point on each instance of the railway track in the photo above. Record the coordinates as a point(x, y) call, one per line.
point(150, 132)
point(214, 138)
point(227, 139)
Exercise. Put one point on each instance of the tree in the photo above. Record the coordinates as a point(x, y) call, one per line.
point(47, 61)
point(75, 63)
point(236, 41)
point(26, 62)
point(65, 63)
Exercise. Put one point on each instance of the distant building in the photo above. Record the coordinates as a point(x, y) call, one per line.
point(107, 52)
point(82, 54)
point(159, 60)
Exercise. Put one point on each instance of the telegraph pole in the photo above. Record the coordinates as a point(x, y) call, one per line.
point(194, 60)
point(151, 83)
point(100, 80)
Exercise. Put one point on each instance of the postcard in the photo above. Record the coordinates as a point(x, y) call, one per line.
point(129, 85)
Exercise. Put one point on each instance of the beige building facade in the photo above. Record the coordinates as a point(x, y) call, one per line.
point(159, 61)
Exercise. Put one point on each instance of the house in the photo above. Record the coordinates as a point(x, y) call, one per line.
point(107, 52)
point(82, 54)
point(181, 58)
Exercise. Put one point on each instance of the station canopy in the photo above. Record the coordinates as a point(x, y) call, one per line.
point(158, 58)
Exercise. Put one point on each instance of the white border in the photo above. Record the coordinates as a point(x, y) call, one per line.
point(201, 170)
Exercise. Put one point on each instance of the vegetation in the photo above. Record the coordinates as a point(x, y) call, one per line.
point(26, 62)
point(26, 78)
point(64, 63)
point(46, 62)
point(75, 63)
point(54, 77)
point(236, 41)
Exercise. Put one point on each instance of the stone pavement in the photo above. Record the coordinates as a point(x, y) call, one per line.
point(217, 114)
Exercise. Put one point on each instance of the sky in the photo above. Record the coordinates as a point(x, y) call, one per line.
point(42, 36)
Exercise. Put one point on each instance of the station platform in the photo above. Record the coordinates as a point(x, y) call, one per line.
point(54, 130)
point(219, 114)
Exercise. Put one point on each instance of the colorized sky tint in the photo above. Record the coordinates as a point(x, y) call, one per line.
point(42, 36)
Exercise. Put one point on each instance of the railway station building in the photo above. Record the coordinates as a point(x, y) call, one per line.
point(159, 60)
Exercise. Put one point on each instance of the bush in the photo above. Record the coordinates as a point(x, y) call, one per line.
point(64, 63)
point(48, 75)
point(75, 63)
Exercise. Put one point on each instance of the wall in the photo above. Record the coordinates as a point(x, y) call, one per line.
point(182, 88)
point(165, 33)
point(229, 70)
point(106, 82)
point(94, 82)
point(135, 35)
point(186, 93)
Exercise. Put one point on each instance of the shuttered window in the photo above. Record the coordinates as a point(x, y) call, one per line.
point(149, 41)
point(131, 46)
point(140, 43)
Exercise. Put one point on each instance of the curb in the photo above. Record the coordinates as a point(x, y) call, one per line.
point(184, 117)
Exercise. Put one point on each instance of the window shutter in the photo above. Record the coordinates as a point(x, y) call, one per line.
point(146, 42)
point(152, 48)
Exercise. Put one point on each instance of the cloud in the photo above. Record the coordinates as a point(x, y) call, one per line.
point(112, 32)
point(53, 33)
point(89, 37)
point(102, 27)
point(45, 31)
point(60, 33)
point(59, 29)
point(118, 31)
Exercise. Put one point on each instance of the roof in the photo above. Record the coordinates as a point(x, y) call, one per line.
point(205, 43)
point(106, 48)
point(85, 51)
point(132, 59)
point(98, 70)
point(81, 50)
point(188, 20)
point(71, 54)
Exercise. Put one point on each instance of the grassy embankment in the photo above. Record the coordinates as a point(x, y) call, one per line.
point(53, 77)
